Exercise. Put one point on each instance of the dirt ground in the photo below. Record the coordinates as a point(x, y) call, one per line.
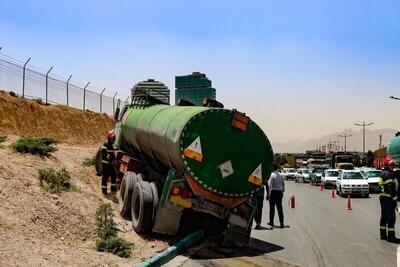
point(23, 117)
point(39, 228)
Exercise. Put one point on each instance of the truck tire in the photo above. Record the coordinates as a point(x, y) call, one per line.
point(154, 190)
point(142, 207)
point(97, 162)
point(126, 189)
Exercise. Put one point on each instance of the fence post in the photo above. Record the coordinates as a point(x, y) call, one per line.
point(84, 95)
point(70, 76)
point(23, 77)
point(126, 100)
point(47, 77)
point(101, 98)
point(114, 102)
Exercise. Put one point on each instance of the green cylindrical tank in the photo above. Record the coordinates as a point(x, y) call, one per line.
point(201, 142)
point(393, 148)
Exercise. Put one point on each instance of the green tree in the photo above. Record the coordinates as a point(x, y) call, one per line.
point(368, 159)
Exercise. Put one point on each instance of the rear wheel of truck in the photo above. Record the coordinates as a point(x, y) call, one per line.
point(126, 190)
point(154, 190)
point(142, 207)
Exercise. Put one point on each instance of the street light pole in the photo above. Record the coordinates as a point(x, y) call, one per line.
point(47, 82)
point(345, 140)
point(363, 124)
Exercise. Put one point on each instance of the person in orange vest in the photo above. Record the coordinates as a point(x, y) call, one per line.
point(388, 201)
point(107, 164)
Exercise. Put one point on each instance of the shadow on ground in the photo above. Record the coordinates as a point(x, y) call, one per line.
point(211, 248)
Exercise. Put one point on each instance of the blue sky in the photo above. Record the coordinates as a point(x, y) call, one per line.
point(300, 69)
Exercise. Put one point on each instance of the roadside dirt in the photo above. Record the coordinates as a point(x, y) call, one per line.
point(23, 117)
point(39, 228)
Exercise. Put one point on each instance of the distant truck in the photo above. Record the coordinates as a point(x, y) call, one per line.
point(343, 161)
point(190, 167)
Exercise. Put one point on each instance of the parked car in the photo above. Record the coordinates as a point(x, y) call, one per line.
point(289, 173)
point(302, 175)
point(329, 177)
point(372, 176)
point(316, 174)
point(352, 182)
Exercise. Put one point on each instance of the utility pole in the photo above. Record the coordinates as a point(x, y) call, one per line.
point(380, 141)
point(345, 140)
point(363, 124)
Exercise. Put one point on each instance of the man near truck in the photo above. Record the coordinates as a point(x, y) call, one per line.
point(276, 188)
point(107, 164)
point(388, 201)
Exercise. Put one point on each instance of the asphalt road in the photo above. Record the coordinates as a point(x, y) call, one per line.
point(321, 232)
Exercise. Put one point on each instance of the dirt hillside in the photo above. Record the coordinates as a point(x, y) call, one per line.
point(39, 228)
point(25, 117)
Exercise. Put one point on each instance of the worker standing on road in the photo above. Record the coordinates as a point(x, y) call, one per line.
point(387, 199)
point(259, 195)
point(107, 164)
point(276, 188)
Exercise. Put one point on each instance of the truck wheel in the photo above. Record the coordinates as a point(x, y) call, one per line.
point(127, 186)
point(154, 190)
point(142, 207)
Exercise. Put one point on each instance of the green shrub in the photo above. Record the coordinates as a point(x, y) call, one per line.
point(115, 245)
point(107, 232)
point(2, 146)
point(57, 180)
point(35, 145)
point(3, 138)
point(89, 161)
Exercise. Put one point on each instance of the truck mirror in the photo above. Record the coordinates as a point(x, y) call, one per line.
point(116, 114)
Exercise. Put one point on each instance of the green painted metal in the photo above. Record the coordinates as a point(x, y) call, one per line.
point(393, 149)
point(163, 132)
point(171, 252)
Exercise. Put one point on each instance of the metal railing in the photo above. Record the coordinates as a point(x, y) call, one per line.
point(30, 82)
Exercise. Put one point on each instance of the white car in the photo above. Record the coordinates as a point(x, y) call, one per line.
point(352, 182)
point(302, 175)
point(372, 176)
point(329, 177)
point(289, 173)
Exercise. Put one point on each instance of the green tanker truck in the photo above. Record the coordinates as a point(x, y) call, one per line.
point(393, 148)
point(189, 166)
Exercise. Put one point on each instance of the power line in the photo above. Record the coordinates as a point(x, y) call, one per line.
point(363, 124)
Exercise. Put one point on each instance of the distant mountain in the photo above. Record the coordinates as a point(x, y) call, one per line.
point(354, 143)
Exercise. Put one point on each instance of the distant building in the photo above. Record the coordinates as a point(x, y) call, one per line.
point(194, 87)
point(157, 89)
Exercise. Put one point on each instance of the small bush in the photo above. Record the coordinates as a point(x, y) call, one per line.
point(3, 138)
point(57, 180)
point(107, 232)
point(115, 245)
point(2, 146)
point(89, 161)
point(106, 227)
point(35, 145)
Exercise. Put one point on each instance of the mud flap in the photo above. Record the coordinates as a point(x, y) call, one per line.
point(238, 231)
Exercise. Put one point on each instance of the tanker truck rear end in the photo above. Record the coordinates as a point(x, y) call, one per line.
point(187, 166)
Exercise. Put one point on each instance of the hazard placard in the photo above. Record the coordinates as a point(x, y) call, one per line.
point(256, 176)
point(193, 151)
point(226, 169)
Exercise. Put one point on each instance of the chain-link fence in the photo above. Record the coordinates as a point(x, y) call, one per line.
point(31, 83)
